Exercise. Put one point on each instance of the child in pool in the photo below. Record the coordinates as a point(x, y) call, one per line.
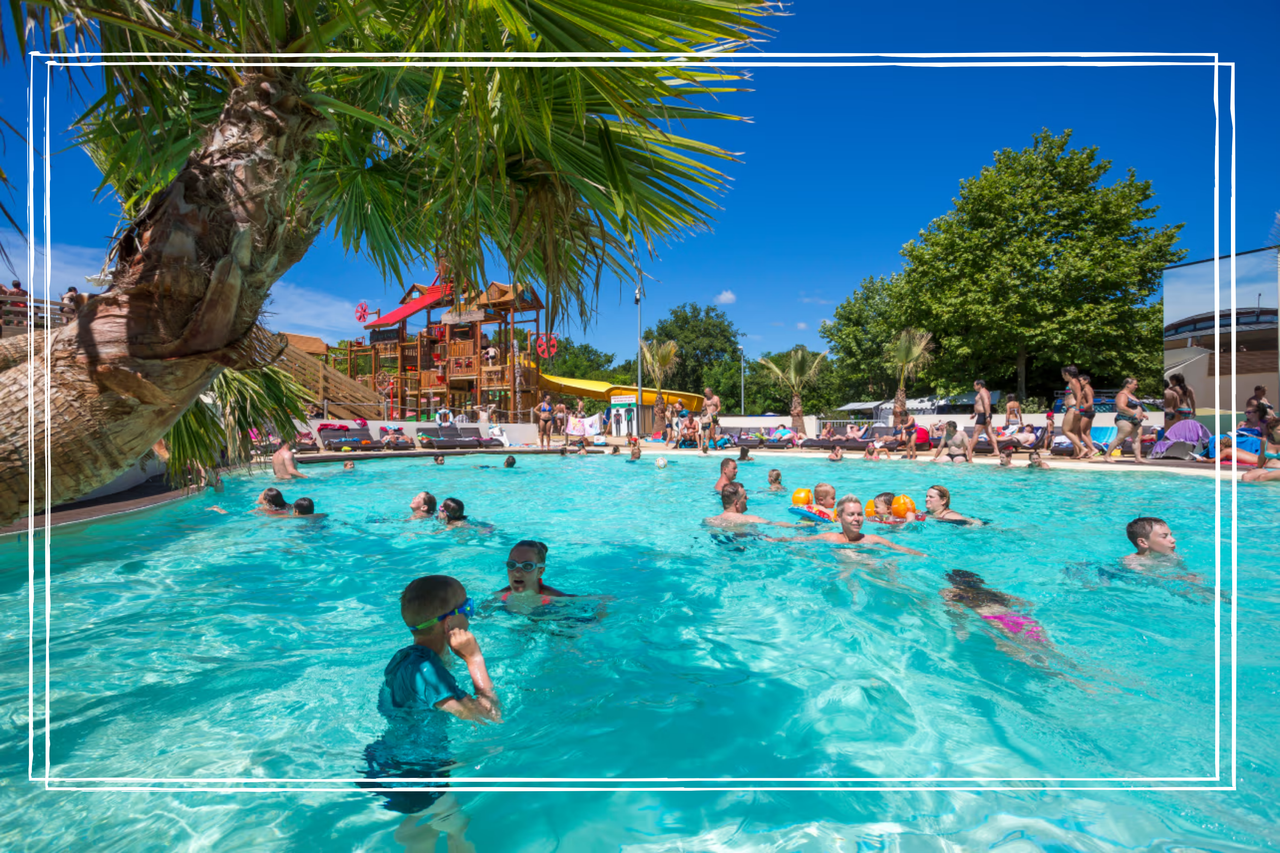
point(824, 495)
point(883, 506)
point(415, 685)
point(775, 480)
point(969, 590)
point(1151, 536)
point(872, 453)
point(525, 566)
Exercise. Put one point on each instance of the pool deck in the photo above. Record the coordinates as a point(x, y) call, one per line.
point(156, 491)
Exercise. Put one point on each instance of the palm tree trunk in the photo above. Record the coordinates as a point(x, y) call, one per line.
point(191, 275)
point(797, 412)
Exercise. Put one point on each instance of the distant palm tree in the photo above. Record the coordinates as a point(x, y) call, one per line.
point(909, 353)
point(800, 371)
point(661, 360)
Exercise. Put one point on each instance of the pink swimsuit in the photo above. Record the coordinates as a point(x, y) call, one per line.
point(1016, 623)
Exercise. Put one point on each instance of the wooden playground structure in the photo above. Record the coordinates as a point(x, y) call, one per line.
point(453, 363)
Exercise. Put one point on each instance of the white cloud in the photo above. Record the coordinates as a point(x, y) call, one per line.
point(801, 326)
point(726, 297)
point(1189, 290)
point(69, 266)
point(814, 300)
point(304, 311)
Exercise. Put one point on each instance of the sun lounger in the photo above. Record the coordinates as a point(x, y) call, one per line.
point(750, 441)
point(474, 432)
point(356, 439)
point(392, 440)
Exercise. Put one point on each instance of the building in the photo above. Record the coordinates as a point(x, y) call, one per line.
point(1189, 349)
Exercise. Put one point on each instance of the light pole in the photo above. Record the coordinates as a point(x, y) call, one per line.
point(742, 396)
point(639, 365)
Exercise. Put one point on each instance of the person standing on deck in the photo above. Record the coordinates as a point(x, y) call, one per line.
point(710, 418)
point(1086, 416)
point(983, 417)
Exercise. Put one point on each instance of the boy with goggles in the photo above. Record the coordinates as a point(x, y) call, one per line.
point(416, 684)
point(436, 609)
point(525, 565)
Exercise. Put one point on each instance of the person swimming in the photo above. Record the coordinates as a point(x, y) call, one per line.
point(526, 564)
point(775, 480)
point(970, 591)
point(937, 500)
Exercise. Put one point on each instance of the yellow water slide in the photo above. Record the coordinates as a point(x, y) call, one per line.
point(596, 390)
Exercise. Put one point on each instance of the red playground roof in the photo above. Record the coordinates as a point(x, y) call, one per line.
point(434, 293)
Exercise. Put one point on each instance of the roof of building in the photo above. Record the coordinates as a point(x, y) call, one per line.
point(307, 343)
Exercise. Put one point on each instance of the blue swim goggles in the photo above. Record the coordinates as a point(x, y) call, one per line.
point(467, 608)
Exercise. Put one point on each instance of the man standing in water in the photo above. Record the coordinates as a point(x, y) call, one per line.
point(983, 415)
point(734, 499)
point(728, 473)
point(710, 418)
point(283, 465)
point(849, 514)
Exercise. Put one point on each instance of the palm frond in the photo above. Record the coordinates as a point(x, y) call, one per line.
point(237, 402)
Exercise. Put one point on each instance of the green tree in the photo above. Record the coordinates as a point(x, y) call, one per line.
point(794, 376)
point(1039, 265)
point(228, 172)
point(579, 361)
point(705, 337)
point(862, 327)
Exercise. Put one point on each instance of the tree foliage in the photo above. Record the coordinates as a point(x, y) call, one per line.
point(1038, 265)
point(863, 325)
point(706, 338)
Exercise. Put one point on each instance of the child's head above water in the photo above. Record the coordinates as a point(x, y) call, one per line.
point(1151, 536)
point(775, 476)
point(824, 495)
point(431, 604)
point(304, 506)
point(884, 503)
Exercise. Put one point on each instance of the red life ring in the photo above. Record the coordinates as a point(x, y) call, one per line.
point(547, 346)
point(362, 312)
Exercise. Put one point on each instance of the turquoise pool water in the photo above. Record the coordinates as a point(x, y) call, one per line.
point(185, 643)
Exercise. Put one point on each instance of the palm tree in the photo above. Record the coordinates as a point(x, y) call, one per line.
point(909, 353)
point(228, 172)
point(660, 360)
point(236, 402)
point(801, 369)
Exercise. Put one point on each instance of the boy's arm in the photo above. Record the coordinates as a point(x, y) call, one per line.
point(464, 645)
point(885, 543)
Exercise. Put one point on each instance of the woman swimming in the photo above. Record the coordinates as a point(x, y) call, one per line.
point(1129, 418)
point(525, 566)
point(970, 590)
point(937, 501)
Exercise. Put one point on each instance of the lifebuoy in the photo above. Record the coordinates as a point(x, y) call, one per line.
point(813, 512)
point(546, 346)
point(362, 312)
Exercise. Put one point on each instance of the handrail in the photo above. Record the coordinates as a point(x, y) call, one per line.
point(18, 313)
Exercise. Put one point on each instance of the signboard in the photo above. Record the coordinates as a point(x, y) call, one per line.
point(453, 318)
point(624, 415)
point(384, 336)
point(622, 400)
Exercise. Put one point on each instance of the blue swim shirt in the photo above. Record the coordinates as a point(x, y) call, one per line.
point(416, 679)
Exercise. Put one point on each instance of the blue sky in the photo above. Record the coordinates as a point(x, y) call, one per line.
point(841, 166)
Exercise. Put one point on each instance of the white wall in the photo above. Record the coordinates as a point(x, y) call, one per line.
point(136, 475)
point(517, 434)
point(762, 422)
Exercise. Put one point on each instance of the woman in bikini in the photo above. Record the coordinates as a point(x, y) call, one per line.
point(1071, 410)
point(1186, 409)
point(954, 444)
point(969, 591)
point(525, 589)
point(1170, 404)
point(1129, 418)
point(546, 414)
point(1086, 414)
point(1268, 469)
point(907, 431)
point(1012, 411)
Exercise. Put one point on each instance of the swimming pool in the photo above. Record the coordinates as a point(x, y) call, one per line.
point(191, 644)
